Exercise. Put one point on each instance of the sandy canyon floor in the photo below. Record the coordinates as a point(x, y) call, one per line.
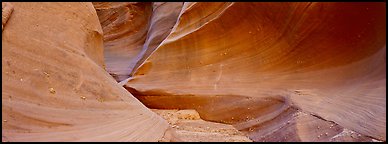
point(189, 127)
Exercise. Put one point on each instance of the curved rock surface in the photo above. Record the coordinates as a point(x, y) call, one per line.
point(275, 71)
point(125, 27)
point(252, 64)
point(54, 85)
point(164, 17)
point(132, 31)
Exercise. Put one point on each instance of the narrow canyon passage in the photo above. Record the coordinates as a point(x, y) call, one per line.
point(194, 71)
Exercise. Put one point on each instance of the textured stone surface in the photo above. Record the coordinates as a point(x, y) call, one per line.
point(132, 31)
point(6, 11)
point(238, 61)
point(54, 86)
point(189, 127)
point(125, 27)
point(274, 71)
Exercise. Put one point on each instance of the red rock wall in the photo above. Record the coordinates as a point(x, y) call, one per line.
point(241, 62)
point(54, 86)
point(275, 71)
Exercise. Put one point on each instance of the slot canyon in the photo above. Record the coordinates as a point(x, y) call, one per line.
point(194, 71)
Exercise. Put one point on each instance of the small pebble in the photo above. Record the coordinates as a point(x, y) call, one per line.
point(52, 91)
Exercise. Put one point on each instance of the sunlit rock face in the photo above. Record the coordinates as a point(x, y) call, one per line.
point(257, 64)
point(54, 86)
point(275, 71)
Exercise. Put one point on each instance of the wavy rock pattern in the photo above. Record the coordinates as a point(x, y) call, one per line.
point(54, 85)
point(275, 71)
point(125, 27)
point(244, 63)
point(132, 31)
point(164, 17)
